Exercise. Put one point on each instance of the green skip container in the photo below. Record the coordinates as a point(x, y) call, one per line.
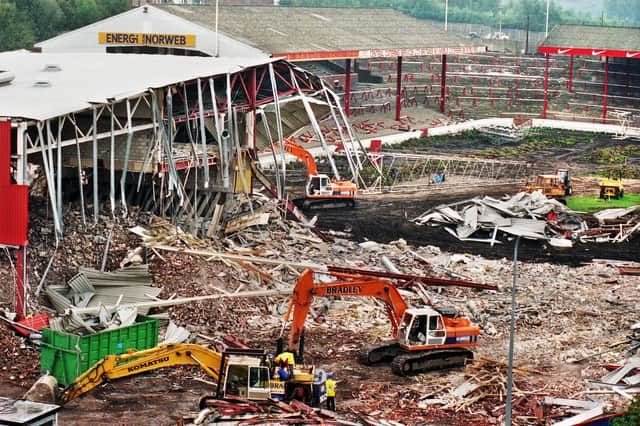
point(66, 356)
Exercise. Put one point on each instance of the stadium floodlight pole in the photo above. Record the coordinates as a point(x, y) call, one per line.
point(546, 28)
point(446, 13)
point(512, 333)
point(217, 38)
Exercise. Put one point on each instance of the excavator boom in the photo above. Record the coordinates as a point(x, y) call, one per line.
point(117, 366)
point(348, 285)
point(300, 153)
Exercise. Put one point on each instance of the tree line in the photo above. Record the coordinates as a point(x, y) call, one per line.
point(512, 13)
point(25, 22)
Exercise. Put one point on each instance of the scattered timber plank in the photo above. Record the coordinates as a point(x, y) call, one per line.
point(580, 418)
point(246, 221)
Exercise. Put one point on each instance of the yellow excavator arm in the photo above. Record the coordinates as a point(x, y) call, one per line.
point(117, 366)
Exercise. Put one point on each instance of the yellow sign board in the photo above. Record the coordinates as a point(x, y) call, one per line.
point(148, 39)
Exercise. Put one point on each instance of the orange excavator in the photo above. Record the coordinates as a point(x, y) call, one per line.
point(426, 338)
point(320, 190)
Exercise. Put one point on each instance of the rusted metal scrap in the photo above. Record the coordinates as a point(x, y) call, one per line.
point(407, 280)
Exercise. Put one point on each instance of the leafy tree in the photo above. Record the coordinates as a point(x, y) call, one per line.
point(15, 27)
point(23, 22)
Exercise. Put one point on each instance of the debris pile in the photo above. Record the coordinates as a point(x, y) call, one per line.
point(247, 413)
point(529, 215)
point(612, 225)
point(104, 291)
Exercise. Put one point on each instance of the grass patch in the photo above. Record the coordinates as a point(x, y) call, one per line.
point(594, 204)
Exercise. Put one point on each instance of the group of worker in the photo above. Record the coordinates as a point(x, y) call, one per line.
point(282, 367)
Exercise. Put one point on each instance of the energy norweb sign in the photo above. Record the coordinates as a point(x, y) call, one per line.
point(147, 39)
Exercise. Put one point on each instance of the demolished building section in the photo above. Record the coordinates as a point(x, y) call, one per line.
point(532, 216)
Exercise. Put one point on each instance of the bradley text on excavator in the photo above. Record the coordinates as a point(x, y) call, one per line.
point(425, 338)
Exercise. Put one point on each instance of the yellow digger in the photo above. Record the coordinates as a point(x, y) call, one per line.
point(240, 374)
point(611, 186)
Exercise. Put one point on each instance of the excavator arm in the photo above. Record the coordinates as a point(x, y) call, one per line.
point(300, 153)
point(346, 285)
point(117, 366)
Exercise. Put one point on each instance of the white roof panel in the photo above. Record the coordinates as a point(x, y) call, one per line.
point(151, 20)
point(86, 78)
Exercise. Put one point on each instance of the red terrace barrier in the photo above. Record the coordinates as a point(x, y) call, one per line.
point(376, 145)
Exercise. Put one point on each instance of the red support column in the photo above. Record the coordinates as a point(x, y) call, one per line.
point(570, 86)
point(545, 104)
point(20, 299)
point(605, 89)
point(347, 87)
point(399, 89)
point(443, 83)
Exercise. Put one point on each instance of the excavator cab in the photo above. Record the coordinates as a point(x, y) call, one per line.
point(318, 185)
point(245, 377)
point(420, 327)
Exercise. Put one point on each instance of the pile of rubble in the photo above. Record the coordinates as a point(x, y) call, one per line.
point(564, 314)
point(251, 413)
point(532, 216)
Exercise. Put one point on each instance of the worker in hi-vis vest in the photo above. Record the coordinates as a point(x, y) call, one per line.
point(331, 392)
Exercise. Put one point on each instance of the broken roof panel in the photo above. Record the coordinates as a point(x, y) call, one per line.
point(84, 79)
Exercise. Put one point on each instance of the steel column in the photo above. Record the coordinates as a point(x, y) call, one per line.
point(20, 278)
point(5, 152)
point(605, 89)
point(96, 206)
point(347, 87)
point(545, 104)
point(626, 92)
point(253, 99)
point(570, 83)
point(443, 83)
point(21, 164)
point(399, 89)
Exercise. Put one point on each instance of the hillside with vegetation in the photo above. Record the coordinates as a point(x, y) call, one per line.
point(513, 13)
point(25, 22)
